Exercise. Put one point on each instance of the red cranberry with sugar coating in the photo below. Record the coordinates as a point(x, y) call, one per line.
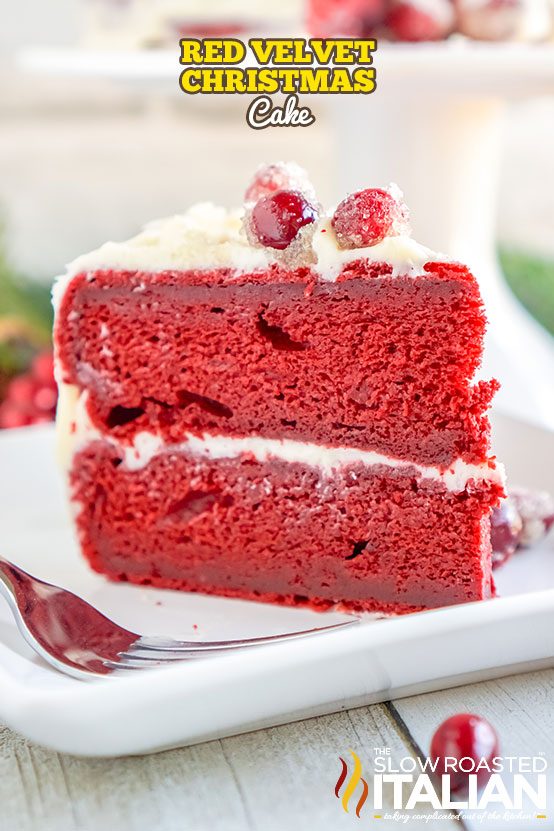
point(466, 737)
point(45, 399)
point(506, 528)
point(412, 20)
point(365, 218)
point(42, 368)
point(493, 20)
point(536, 509)
point(269, 178)
point(11, 415)
point(31, 398)
point(275, 220)
point(21, 391)
point(344, 18)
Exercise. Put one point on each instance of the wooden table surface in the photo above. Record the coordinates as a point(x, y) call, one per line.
point(270, 780)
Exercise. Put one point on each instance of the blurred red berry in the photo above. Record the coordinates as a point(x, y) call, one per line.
point(464, 736)
point(42, 368)
point(45, 399)
point(416, 21)
point(350, 18)
point(536, 509)
point(21, 391)
point(13, 416)
point(506, 528)
point(491, 19)
point(31, 398)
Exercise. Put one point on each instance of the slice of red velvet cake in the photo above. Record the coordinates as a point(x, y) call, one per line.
point(278, 404)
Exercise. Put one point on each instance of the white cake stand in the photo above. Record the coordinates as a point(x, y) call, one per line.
point(434, 127)
point(143, 65)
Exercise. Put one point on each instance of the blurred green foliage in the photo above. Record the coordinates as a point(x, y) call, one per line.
point(25, 299)
point(531, 278)
point(25, 318)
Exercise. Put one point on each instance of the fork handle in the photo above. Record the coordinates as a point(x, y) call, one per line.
point(14, 580)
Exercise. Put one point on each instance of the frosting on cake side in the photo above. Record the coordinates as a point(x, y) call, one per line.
point(76, 431)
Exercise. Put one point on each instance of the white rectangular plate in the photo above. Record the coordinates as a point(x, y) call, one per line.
point(220, 696)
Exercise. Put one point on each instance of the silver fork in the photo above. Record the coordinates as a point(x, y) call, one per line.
point(80, 641)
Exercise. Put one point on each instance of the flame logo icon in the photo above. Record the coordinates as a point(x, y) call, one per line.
point(352, 783)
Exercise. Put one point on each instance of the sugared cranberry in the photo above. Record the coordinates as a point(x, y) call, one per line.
point(275, 220)
point(506, 528)
point(536, 509)
point(21, 391)
point(30, 398)
point(491, 19)
point(42, 368)
point(345, 18)
point(413, 20)
point(269, 178)
point(464, 737)
point(367, 217)
point(11, 415)
point(45, 399)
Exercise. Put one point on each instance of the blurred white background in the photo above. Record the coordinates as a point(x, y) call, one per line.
point(85, 161)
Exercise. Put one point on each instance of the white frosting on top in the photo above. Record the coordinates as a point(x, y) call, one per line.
point(76, 431)
point(404, 254)
point(207, 237)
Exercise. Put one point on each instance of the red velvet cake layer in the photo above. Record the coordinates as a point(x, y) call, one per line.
point(372, 361)
point(371, 538)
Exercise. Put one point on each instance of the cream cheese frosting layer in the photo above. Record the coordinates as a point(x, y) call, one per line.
point(208, 237)
point(75, 432)
point(404, 254)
